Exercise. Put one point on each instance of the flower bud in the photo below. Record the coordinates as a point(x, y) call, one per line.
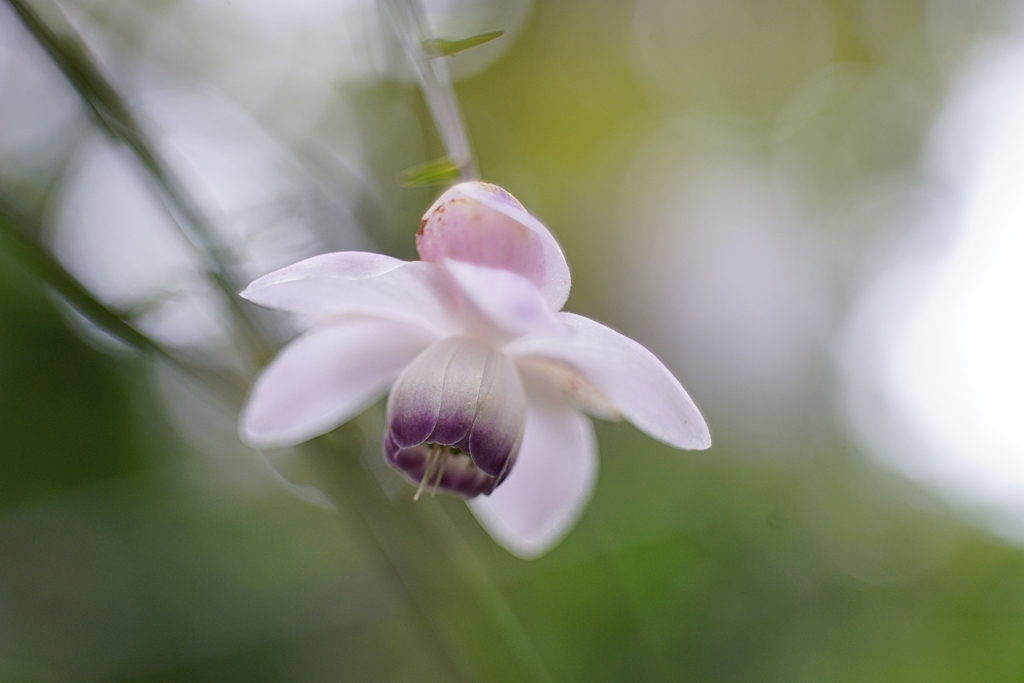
point(484, 225)
point(455, 418)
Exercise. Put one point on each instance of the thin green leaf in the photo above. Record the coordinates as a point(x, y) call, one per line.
point(440, 47)
point(437, 172)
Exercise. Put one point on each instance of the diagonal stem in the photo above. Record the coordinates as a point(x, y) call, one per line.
point(14, 240)
point(421, 542)
point(114, 117)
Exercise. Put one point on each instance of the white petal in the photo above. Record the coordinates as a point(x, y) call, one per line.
point(636, 382)
point(510, 300)
point(325, 377)
point(551, 481)
point(359, 283)
point(557, 281)
point(348, 265)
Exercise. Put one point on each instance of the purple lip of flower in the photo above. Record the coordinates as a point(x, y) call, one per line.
point(447, 468)
point(456, 417)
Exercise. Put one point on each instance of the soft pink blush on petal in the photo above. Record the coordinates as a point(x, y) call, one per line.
point(327, 287)
point(461, 228)
point(325, 377)
point(557, 281)
point(552, 480)
point(509, 300)
point(639, 386)
point(483, 225)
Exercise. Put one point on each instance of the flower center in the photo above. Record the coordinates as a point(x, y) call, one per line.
point(438, 455)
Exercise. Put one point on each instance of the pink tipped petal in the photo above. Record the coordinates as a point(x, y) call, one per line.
point(557, 281)
point(325, 377)
point(484, 225)
point(546, 491)
point(636, 383)
point(462, 228)
point(508, 299)
point(357, 283)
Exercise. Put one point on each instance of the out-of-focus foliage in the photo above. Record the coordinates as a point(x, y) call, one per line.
point(726, 176)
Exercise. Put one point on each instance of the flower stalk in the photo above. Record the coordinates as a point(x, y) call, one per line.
point(431, 68)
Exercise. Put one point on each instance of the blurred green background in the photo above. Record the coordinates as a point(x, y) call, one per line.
point(725, 178)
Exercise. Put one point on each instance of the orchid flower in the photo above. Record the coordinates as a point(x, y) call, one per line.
point(488, 380)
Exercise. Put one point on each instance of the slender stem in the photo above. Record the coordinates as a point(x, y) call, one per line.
point(114, 117)
point(436, 83)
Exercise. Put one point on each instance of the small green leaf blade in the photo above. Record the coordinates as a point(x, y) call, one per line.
point(446, 48)
point(437, 172)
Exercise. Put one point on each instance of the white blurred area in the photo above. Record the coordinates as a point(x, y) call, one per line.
point(120, 242)
point(38, 110)
point(264, 50)
point(114, 233)
point(934, 352)
point(266, 210)
point(733, 297)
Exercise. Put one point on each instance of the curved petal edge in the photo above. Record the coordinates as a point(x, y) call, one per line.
point(639, 386)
